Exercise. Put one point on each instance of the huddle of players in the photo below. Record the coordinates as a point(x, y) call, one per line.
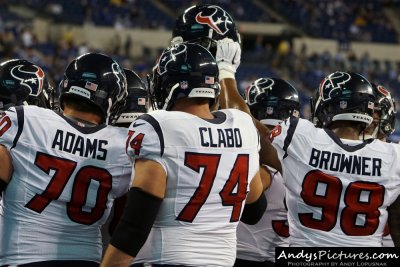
point(270, 101)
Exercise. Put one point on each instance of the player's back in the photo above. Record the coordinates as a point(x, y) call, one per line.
point(209, 165)
point(337, 190)
point(65, 179)
point(257, 242)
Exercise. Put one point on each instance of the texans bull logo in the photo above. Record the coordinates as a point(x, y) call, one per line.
point(332, 83)
point(383, 90)
point(169, 56)
point(259, 86)
point(387, 100)
point(123, 90)
point(31, 77)
point(214, 17)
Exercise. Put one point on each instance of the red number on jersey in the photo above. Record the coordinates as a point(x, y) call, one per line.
point(275, 132)
point(136, 142)
point(237, 179)
point(5, 124)
point(361, 199)
point(281, 227)
point(367, 207)
point(63, 170)
point(328, 202)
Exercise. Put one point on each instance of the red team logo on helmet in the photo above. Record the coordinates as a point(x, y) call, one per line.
point(30, 76)
point(214, 17)
point(332, 84)
point(383, 90)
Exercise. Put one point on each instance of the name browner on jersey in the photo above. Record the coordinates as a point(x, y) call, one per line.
point(339, 162)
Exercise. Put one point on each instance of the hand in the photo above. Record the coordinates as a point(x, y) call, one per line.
point(228, 58)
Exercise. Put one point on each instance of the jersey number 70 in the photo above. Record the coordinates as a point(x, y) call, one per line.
point(63, 171)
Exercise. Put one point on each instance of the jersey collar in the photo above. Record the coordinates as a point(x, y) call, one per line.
point(348, 148)
point(82, 128)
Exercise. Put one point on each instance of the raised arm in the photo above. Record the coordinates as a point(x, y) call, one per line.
point(228, 59)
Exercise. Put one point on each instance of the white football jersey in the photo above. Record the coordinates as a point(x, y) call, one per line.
point(337, 191)
point(64, 182)
point(257, 242)
point(387, 240)
point(209, 165)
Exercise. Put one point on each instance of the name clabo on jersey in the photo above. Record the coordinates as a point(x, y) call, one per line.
point(210, 137)
point(338, 162)
point(77, 145)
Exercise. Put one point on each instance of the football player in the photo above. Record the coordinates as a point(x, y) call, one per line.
point(271, 100)
point(23, 83)
point(383, 125)
point(137, 103)
point(193, 169)
point(66, 169)
point(338, 188)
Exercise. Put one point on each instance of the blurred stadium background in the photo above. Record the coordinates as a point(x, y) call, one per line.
point(297, 40)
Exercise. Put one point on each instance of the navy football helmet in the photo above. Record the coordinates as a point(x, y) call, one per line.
point(343, 96)
point(385, 105)
point(98, 80)
point(137, 102)
point(272, 100)
point(22, 82)
point(204, 25)
point(183, 70)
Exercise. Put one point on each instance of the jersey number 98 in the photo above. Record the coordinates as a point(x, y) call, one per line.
point(361, 200)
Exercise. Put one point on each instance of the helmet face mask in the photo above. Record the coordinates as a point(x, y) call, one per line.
point(205, 25)
point(385, 107)
point(272, 100)
point(23, 82)
point(343, 96)
point(98, 80)
point(183, 70)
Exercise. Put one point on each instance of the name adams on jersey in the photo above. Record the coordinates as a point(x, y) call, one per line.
point(80, 146)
